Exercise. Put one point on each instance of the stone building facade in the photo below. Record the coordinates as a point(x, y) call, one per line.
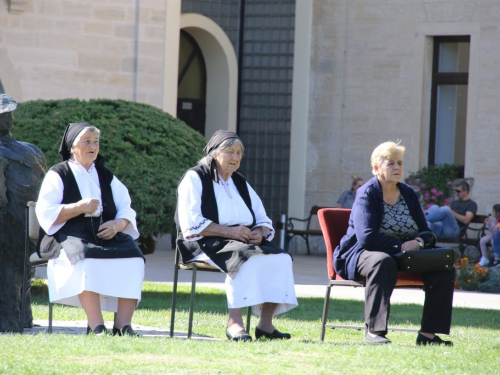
point(354, 73)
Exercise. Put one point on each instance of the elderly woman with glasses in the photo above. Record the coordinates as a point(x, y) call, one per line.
point(222, 221)
point(387, 218)
point(88, 234)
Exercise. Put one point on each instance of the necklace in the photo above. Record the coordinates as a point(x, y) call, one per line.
point(226, 187)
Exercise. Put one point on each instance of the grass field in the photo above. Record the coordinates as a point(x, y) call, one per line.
point(475, 333)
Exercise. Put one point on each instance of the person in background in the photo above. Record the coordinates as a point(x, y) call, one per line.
point(88, 234)
point(492, 238)
point(222, 221)
point(347, 197)
point(386, 219)
point(445, 221)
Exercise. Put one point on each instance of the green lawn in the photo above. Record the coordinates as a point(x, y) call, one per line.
point(475, 333)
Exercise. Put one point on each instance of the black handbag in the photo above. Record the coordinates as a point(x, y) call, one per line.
point(428, 259)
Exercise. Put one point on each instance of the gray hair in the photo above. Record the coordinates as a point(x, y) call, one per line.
point(206, 160)
point(90, 128)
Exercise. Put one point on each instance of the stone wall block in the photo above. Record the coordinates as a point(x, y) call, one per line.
point(120, 47)
point(98, 28)
point(151, 49)
point(154, 33)
point(127, 65)
point(109, 13)
point(36, 23)
point(19, 38)
point(68, 26)
point(120, 79)
point(94, 61)
point(43, 57)
point(74, 43)
point(125, 31)
point(76, 9)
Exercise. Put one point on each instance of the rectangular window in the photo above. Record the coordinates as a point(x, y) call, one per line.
point(450, 75)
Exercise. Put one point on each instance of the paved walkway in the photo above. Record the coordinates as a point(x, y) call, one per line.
point(310, 281)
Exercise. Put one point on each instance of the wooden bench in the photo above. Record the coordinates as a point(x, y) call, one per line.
point(468, 238)
point(288, 227)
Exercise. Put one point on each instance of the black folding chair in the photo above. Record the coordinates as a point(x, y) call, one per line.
point(194, 267)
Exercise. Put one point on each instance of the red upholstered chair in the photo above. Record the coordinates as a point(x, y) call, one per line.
point(334, 223)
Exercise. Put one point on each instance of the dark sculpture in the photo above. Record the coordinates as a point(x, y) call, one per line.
point(22, 167)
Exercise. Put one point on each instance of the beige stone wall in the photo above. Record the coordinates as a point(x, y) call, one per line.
point(85, 49)
point(370, 82)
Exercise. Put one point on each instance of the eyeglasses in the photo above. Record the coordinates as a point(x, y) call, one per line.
point(458, 191)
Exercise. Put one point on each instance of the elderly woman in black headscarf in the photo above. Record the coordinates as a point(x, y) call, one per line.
point(222, 221)
point(88, 232)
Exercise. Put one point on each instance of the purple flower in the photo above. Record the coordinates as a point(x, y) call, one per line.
point(434, 191)
point(449, 182)
point(417, 181)
point(423, 186)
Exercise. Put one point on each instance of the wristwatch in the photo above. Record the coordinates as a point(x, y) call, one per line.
point(420, 243)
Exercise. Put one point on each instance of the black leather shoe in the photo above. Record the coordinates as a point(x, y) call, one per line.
point(422, 340)
point(377, 340)
point(99, 330)
point(125, 331)
point(240, 336)
point(271, 336)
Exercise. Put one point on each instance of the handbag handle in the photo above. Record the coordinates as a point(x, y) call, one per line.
point(429, 238)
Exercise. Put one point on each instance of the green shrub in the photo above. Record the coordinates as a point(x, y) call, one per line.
point(146, 148)
point(434, 184)
point(492, 282)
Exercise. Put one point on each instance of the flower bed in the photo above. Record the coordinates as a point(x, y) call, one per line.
point(469, 276)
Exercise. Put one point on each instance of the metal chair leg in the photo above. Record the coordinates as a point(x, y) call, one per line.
point(174, 294)
point(325, 313)
point(51, 305)
point(249, 317)
point(191, 301)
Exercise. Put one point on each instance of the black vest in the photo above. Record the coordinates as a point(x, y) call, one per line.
point(72, 193)
point(48, 247)
point(209, 207)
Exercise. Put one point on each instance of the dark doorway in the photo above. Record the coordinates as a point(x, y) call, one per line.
point(192, 84)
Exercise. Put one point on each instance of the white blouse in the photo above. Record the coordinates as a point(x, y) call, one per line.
point(231, 206)
point(50, 197)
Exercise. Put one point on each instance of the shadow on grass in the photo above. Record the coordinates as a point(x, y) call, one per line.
point(309, 309)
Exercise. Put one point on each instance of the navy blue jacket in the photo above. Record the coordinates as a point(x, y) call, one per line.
point(364, 223)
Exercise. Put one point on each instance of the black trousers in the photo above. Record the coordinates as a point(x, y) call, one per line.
point(381, 274)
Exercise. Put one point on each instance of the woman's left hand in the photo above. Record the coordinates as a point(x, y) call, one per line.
point(410, 245)
point(109, 229)
point(256, 236)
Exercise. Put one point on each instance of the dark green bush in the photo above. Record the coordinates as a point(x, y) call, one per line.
point(146, 148)
point(492, 282)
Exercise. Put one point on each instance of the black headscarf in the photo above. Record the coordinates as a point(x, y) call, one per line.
point(214, 142)
point(218, 137)
point(70, 134)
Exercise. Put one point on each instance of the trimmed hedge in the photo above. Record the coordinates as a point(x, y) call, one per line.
point(146, 148)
